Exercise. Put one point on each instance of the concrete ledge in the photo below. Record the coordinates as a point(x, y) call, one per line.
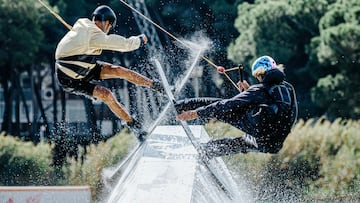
point(44, 194)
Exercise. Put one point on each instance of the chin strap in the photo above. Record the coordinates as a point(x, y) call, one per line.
point(103, 25)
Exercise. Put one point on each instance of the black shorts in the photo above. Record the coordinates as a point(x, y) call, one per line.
point(84, 86)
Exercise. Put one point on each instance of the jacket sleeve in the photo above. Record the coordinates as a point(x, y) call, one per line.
point(228, 107)
point(113, 42)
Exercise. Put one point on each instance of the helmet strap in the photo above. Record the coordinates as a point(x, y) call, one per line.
point(103, 26)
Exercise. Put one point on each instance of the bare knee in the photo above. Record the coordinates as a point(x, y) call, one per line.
point(103, 94)
point(110, 71)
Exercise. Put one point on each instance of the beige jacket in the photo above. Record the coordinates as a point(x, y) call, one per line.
point(77, 51)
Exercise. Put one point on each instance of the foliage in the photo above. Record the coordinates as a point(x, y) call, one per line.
point(317, 40)
point(23, 163)
point(335, 147)
point(337, 86)
point(338, 50)
point(320, 160)
point(24, 46)
point(314, 39)
point(98, 157)
point(21, 33)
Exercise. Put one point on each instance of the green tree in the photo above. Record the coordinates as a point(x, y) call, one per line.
point(338, 54)
point(20, 40)
point(301, 35)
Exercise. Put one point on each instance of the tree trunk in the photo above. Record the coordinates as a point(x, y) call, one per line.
point(7, 117)
point(55, 112)
point(34, 126)
point(23, 99)
point(36, 91)
point(20, 97)
point(16, 131)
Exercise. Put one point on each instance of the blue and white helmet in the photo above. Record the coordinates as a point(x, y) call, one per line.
point(262, 64)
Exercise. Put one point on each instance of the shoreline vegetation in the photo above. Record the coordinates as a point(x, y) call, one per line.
point(320, 161)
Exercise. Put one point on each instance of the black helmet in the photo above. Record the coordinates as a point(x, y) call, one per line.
point(103, 13)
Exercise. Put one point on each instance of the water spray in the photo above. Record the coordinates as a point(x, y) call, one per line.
point(177, 39)
point(156, 25)
point(56, 15)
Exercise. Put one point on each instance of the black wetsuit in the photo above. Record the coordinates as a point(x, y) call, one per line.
point(266, 112)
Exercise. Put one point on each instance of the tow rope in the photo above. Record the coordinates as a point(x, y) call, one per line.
point(219, 69)
point(56, 15)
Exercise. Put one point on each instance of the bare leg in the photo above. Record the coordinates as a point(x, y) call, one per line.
point(108, 98)
point(109, 71)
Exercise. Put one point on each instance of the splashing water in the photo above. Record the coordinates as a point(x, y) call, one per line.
point(196, 42)
point(165, 168)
